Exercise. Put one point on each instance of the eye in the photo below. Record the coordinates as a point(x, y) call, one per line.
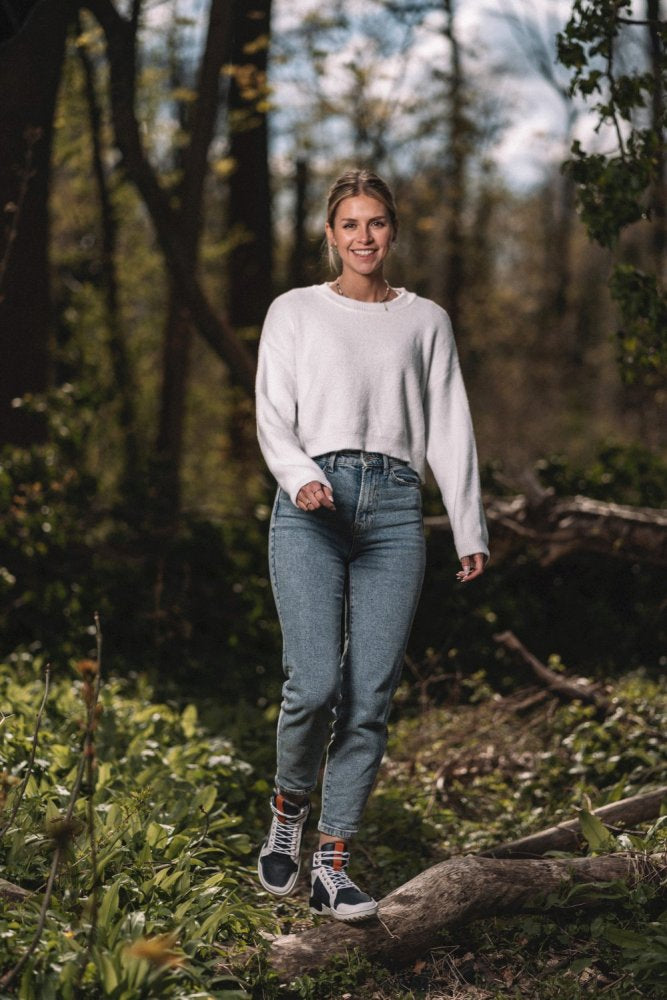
point(348, 225)
point(380, 223)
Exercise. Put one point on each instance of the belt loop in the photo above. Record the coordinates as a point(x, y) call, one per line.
point(385, 463)
point(331, 461)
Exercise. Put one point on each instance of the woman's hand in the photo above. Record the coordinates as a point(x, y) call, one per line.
point(314, 495)
point(472, 566)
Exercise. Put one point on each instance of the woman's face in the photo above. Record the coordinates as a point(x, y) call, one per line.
point(362, 232)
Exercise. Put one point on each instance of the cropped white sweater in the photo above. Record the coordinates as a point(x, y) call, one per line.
point(337, 374)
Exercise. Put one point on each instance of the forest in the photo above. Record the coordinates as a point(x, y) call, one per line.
point(163, 178)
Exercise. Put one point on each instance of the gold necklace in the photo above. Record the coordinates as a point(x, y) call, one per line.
point(382, 301)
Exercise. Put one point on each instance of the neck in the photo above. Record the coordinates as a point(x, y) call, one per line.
point(363, 288)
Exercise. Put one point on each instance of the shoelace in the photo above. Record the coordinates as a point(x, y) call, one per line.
point(284, 833)
point(339, 877)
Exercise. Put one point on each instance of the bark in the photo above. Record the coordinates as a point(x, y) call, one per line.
point(119, 34)
point(249, 211)
point(659, 187)
point(177, 339)
point(120, 362)
point(557, 526)
point(30, 69)
point(12, 893)
point(455, 178)
point(567, 836)
point(299, 255)
point(452, 893)
point(571, 690)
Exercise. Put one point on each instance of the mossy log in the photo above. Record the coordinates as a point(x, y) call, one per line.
point(411, 918)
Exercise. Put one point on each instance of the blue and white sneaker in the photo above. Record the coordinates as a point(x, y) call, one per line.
point(333, 892)
point(279, 858)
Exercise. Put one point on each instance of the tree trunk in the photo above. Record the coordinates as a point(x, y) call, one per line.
point(567, 836)
point(299, 255)
point(659, 192)
point(120, 362)
point(455, 179)
point(119, 34)
point(30, 69)
point(411, 918)
point(249, 211)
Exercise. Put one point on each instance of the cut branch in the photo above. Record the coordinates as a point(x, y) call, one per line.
point(567, 836)
point(568, 689)
point(558, 526)
point(454, 892)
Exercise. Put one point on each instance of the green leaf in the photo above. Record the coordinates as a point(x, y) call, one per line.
point(595, 833)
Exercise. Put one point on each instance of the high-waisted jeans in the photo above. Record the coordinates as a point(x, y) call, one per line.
point(346, 585)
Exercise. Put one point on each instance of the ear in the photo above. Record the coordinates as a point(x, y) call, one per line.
point(329, 234)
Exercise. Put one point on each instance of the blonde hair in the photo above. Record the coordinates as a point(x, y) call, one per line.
point(355, 182)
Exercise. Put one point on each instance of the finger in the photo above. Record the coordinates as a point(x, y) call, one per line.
point(324, 496)
point(473, 566)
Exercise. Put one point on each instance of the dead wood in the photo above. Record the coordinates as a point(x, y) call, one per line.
point(569, 688)
point(567, 836)
point(412, 917)
point(557, 526)
point(12, 893)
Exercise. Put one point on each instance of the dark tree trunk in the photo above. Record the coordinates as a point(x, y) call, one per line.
point(249, 213)
point(455, 178)
point(120, 362)
point(30, 69)
point(299, 257)
point(659, 192)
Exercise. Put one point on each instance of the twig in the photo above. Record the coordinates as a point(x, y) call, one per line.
point(31, 135)
point(33, 751)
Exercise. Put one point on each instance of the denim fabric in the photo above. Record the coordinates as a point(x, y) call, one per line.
point(346, 585)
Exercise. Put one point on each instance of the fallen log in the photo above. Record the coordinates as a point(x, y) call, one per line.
point(12, 893)
point(412, 917)
point(557, 526)
point(570, 689)
point(567, 836)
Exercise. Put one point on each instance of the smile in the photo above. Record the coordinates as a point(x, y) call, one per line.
point(364, 253)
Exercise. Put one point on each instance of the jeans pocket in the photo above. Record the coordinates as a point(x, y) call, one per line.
point(404, 475)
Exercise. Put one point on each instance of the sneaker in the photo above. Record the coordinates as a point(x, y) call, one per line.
point(333, 892)
point(279, 861)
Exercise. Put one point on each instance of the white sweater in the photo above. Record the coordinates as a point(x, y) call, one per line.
point(337, 374)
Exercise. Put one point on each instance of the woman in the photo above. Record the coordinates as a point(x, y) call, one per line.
point(358, 385)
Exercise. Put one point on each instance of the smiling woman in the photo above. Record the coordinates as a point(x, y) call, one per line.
point(358, 386)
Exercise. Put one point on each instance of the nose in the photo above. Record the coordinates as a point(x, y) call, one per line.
point(365, 236)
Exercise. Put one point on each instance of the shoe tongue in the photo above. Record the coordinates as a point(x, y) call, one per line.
point(283, 805)
point(337, 848)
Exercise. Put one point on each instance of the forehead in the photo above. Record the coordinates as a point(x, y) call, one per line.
point(360, 206)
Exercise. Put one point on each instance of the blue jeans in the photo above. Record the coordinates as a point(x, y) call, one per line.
point(346, 585)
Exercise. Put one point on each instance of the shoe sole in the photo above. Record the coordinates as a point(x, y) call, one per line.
point(348, 918)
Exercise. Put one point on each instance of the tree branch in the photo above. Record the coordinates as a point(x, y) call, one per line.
point(215, 330)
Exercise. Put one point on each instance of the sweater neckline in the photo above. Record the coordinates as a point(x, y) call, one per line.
point(404, 298)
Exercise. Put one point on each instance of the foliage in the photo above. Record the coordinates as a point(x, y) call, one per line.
point(148, 912)
point(617, 189)
point(176, 812)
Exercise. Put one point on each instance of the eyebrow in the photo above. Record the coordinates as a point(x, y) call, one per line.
point(351, 218)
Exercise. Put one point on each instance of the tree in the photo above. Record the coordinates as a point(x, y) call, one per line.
point(626, 186)
point(30, 70)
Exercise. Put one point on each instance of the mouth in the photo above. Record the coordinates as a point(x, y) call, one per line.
point(364, 253)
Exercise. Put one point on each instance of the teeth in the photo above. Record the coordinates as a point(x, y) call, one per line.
point(364, 253)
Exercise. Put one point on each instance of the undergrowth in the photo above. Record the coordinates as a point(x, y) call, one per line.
point(162, 901)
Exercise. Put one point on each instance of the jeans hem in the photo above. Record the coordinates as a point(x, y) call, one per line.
point(284, 790)
point(335, 831)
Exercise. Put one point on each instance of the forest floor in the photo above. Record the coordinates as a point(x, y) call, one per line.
point(457, 779)
point(179, 805)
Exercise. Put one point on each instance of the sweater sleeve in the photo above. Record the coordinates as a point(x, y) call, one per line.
point(450, 445)
point(277, 409)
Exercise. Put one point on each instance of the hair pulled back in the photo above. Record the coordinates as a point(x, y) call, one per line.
point(355, 182)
